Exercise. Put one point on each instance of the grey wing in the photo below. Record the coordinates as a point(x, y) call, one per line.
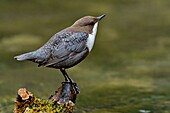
point(67, 44)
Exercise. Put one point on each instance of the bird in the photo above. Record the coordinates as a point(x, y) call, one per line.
point(67, 47)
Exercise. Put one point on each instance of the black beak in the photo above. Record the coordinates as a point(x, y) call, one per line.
point(100, 17)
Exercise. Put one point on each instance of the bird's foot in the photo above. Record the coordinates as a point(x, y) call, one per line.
point(75, 88)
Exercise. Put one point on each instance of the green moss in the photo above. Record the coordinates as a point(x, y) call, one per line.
point(45, 106)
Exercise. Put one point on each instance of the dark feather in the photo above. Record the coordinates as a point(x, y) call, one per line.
point(64, 45)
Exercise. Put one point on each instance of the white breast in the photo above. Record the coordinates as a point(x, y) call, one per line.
point(91, 38)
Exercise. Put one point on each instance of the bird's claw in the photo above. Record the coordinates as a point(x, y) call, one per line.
point(75, 88)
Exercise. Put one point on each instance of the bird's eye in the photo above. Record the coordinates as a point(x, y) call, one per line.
point(92, 23)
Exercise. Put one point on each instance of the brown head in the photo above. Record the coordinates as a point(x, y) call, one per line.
point(86, 24)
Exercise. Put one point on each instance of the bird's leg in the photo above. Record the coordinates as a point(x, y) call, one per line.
point(65, 76)
point(70, 80)
point(75, 86)
point(76, 89)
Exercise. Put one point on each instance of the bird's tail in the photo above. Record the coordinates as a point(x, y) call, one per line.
point(26, 56)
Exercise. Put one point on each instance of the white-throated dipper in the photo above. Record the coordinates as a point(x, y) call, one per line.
point(68, 47)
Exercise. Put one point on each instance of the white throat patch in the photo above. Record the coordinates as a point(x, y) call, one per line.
point(91, 38)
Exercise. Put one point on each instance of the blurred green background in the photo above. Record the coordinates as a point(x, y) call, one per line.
point(128, 70)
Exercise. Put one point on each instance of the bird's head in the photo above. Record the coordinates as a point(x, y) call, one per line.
point(87, 23)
